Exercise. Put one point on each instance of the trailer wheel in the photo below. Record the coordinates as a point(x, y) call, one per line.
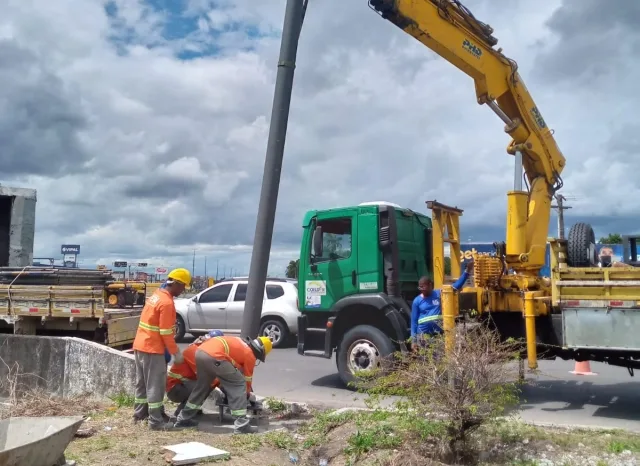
point(362, 349)
point(581, 246)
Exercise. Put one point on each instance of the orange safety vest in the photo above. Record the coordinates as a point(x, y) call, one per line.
point(186, 370)
point(234, 350)
point(155, 330)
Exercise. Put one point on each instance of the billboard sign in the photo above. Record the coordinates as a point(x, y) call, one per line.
point(120, 264)
point(142, 264)
point(70, 249)
point(161, 270)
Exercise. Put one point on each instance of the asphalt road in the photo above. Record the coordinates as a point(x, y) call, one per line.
point(610, 399)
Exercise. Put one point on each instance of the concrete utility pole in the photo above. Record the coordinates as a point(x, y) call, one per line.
point(293, 19)
point(561, 208)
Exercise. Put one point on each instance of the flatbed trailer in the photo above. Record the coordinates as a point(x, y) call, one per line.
point(68, 310)
point(597, 309)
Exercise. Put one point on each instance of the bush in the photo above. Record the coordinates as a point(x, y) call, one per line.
point(472, 384)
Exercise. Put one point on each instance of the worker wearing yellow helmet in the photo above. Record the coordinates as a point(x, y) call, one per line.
point(231, 360)
point(154, 337)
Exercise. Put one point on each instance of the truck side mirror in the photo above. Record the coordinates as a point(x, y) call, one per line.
point(317, 241)
point(195, 299)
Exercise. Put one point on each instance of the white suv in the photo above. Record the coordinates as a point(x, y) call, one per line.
point(221, 307)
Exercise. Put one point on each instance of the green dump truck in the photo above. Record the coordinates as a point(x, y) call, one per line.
point(358, 273)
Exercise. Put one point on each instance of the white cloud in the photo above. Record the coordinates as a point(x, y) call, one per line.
point(138, 154)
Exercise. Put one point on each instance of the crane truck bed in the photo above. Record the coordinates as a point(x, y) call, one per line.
point(66, 303)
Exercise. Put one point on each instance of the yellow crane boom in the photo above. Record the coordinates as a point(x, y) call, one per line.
point(448, 28)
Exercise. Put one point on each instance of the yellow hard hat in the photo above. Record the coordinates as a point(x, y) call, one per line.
point(180, 275)
point(268, 345)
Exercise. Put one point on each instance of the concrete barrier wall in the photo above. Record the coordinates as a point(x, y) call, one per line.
point(65, 366)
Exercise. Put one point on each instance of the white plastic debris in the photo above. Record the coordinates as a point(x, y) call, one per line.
point(194, 452)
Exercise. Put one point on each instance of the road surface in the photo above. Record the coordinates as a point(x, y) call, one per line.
point(610, 399)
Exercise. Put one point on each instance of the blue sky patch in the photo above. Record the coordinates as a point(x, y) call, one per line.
point(178, 29)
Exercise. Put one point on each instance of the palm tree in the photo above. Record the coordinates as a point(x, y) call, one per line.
point(292, 269)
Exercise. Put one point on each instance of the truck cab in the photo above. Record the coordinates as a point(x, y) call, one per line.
point(359, 271)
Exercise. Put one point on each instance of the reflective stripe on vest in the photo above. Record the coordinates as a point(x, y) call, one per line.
point(175, 376)
point(226, 348)
point(151, 328)
point(156, 329)
point(422, 320)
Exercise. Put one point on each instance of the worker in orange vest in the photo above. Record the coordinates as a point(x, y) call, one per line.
point(181, 378)
point(232, 361)
point(155, 334)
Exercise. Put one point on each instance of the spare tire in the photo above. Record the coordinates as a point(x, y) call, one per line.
point(581, 246)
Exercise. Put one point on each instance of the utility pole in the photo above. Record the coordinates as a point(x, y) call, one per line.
point(561, 208)
point(205, 268)
point(217, 264)
point(193, 265)
point(293, 19)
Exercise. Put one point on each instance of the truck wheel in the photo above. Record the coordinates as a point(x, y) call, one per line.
point(362, 348)
point(179, 329)
point(581, 246)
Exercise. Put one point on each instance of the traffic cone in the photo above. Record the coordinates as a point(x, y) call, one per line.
point(582, 368)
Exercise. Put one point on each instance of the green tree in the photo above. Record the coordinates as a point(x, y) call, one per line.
point(292, 269)
point(611, 238)
point(447, 266)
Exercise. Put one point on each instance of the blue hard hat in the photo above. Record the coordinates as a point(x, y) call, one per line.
point(215, 333)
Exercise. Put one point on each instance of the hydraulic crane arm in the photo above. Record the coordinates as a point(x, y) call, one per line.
point(448, 28)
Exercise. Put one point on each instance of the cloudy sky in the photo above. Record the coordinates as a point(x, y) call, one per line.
point(143, 123)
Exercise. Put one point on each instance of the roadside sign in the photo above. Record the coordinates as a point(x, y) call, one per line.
point(120, 264)
point(142, 264)
point(161, 270)
point(70, 249)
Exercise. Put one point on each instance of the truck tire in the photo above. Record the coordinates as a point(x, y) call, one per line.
point(581, 246)
point(362, 348)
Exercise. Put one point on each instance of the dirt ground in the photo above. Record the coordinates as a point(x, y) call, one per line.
point(375, 438)
point(113, 440)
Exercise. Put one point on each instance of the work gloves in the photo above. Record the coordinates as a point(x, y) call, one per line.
point(177, 358)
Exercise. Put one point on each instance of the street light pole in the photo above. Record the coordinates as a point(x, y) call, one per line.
point(293, 19)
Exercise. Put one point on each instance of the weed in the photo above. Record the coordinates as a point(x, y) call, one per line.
point(275, 405)
point(280, 439)
point(374, 437)
point(246, 442)
point(123, 400)
point(618, 446)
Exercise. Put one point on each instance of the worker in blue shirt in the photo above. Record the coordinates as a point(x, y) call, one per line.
point(426, 312)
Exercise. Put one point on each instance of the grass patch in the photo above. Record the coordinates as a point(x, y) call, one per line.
point(281, 440)
point(619, 445)
point(246, 442)
point(123, 400)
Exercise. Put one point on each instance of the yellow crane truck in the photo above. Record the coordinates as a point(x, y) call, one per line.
point(357, 302)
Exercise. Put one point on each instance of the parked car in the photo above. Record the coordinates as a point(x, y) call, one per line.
point(221, 306)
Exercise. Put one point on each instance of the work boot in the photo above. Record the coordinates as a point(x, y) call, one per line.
point(138, 420)
point(165, 426)
point(243, 425)
point(169, 419)
point(186, 424)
